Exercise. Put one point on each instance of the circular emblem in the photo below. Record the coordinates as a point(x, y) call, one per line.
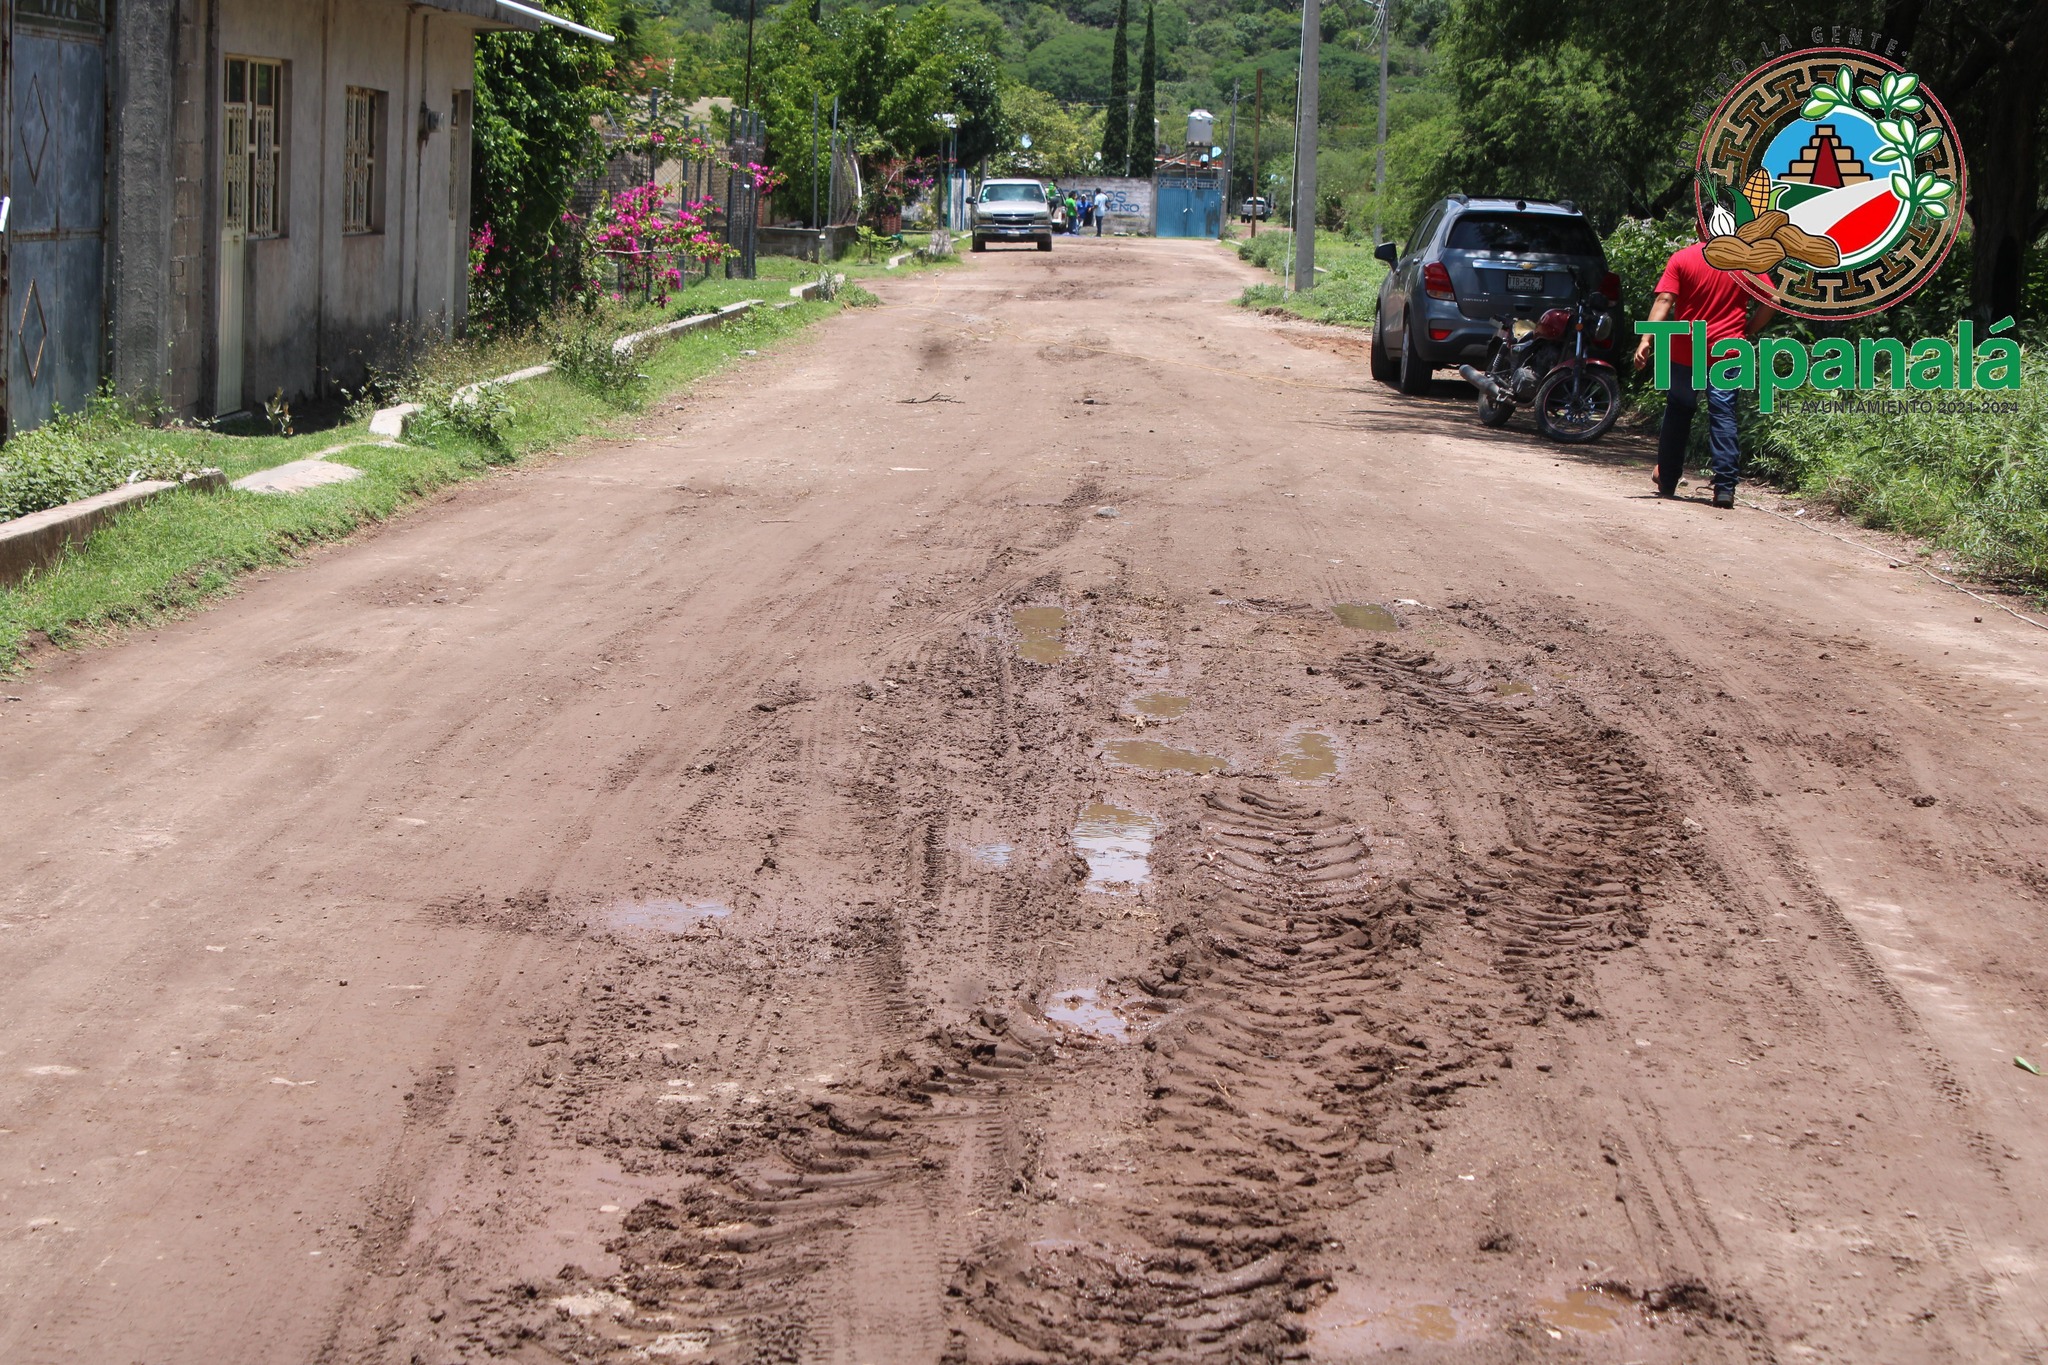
point(1830, 183)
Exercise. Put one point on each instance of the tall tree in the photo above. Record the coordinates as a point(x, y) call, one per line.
point(1116, 133)
point(1144, 137)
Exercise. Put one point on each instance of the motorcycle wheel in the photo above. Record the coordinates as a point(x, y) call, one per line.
point(1575, 406)
point(1494, 414)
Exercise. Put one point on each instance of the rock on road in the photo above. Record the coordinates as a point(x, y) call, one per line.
point(632, 908)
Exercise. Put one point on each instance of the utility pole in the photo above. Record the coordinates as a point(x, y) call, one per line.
point(1229, 161)
point(814, 160)
point(747, 88)
point(832, 172)
point(1258, 119)
point(1305, 114)
point(1379, 164)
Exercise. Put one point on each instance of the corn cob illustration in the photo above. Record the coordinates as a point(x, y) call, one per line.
point(1757, 190)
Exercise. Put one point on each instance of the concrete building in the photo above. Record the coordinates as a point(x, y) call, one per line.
point(210, 201)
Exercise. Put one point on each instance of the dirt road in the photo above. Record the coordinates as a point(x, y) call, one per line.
point(1050, 820)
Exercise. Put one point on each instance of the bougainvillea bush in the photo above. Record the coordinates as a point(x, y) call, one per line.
point(648, 238)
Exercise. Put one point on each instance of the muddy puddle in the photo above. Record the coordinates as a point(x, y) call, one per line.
point(990, 855)
point(1514, 689)
point(1365, 616)
point(1345, 1329)
point(1158, 706)
point(1585, 1310)
point(1155, 757)
point(1040, 633)
point(1084, 1011)
point(1423, 1321)
point(1117, 846)
point(664, 916)
point(1308, 756)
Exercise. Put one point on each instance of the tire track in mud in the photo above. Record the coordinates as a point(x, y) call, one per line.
point(1292, 1029)
point(1588, 833)
point(1276, 1057)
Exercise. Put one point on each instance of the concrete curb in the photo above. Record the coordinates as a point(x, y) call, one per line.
point(41, 538)
point(701, 321)
point(390, 422)
point(803, 293)
point(898, 259)
point(468, 392)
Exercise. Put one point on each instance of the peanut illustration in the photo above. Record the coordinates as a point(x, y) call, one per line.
point(1732, 253)
point(1767, 224)
point(1804, 246)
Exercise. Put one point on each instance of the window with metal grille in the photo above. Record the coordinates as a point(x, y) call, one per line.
point(252, 141)
point(362, 124)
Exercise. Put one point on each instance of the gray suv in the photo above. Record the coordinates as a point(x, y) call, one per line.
point(1470, 261)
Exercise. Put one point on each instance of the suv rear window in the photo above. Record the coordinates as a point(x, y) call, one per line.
point(1542, 234)
point(993, 194)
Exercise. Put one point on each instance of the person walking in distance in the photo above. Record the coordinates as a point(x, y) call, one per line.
point(1691, 290)
point(1101, 209)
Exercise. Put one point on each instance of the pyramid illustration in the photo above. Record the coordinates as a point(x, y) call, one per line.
point(1826, 161)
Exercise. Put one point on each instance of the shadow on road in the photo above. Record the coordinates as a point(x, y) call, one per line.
point(1448, 409)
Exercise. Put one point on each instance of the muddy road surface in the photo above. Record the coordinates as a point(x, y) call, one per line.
point(1051, 820)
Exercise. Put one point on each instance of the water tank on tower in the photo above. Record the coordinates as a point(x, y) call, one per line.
point(1201, 127)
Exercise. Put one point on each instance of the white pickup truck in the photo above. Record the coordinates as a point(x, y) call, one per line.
point(1012, 211)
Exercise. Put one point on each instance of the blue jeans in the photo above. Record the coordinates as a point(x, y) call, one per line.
point(1676, 432)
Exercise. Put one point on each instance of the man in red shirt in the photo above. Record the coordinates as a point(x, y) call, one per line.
point(1690, 290)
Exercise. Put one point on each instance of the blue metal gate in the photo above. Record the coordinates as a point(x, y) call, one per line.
point(1189, 205)
point(55, 169)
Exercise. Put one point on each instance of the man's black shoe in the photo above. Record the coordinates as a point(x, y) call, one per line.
point(1724, 497)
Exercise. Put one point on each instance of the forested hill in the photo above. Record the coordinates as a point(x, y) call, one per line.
point(1055, 57)
point(1582, 99)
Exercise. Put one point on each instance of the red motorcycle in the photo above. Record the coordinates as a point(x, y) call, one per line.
point(1548, 364)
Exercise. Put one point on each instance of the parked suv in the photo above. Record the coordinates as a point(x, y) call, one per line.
point(1470, 261)
point(1012, 211)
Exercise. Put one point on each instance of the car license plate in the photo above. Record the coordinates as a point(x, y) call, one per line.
point(1524, 283)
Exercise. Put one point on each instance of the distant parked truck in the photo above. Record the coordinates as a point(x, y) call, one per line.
point(1012, 211)
point(1255, 207)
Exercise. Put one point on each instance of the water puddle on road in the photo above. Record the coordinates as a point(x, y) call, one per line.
point(1155, 757)
point(1585, 1310)
point(1514, 689)
point(1159, 706)
point(1365, 616)
point(990, 855)
point(1039, 631)
point(664, 916)
point(1309, 756)
point(1117, 846)
point(1423, 1321)
point(1084, 1011)
point(1343, 1329)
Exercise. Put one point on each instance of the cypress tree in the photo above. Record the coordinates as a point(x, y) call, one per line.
point(1116, 129)
point(1145, 138)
